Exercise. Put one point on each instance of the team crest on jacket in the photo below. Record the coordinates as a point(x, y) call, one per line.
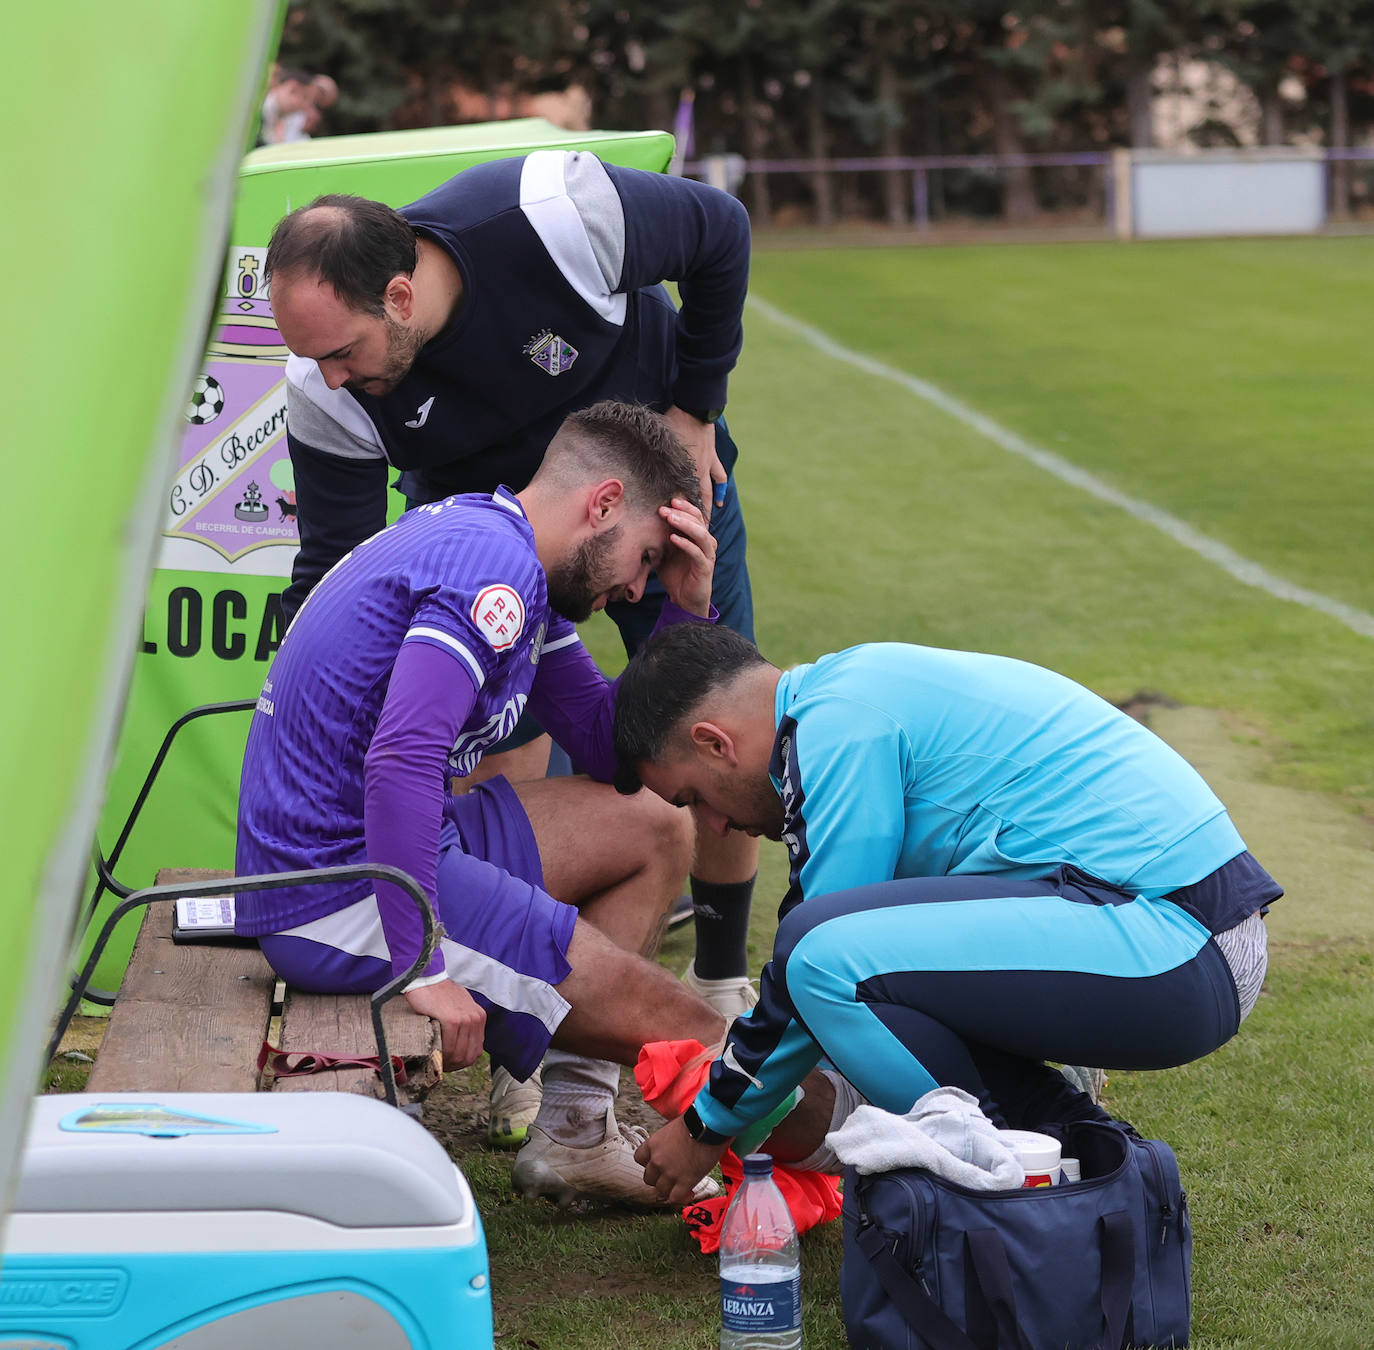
point(499, 614)
point(550, 353)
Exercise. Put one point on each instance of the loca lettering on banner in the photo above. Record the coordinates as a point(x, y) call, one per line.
point(223, 624)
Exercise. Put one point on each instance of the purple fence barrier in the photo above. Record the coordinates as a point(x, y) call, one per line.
point(919, 166)
point(922, 166)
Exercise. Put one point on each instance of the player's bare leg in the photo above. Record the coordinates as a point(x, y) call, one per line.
point(621, 861)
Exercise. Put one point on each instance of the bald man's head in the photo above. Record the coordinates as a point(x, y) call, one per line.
point(353, 245)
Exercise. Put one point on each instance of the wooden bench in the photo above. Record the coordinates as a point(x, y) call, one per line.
point(191, 1017)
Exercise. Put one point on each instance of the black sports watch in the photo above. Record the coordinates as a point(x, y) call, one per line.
point(697, 1128)
point(705, 415)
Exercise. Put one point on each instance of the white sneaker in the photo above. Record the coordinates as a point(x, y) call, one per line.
point(513, 1107)
point(546, 1169)
point(731, 997)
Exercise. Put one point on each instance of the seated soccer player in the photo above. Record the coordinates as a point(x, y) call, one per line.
point(997, 868)
point(414, 654)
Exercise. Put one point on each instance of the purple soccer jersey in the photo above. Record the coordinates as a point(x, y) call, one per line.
point(441, 621)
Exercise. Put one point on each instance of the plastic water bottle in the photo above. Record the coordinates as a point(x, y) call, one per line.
point(760, 1266)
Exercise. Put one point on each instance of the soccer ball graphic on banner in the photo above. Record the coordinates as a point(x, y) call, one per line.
point(207, 400)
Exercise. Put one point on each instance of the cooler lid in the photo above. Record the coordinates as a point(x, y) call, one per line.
point(347, 1160)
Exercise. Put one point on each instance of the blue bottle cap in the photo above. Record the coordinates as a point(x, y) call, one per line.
point(758, 1164)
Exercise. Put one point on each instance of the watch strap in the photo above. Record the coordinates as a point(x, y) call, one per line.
point(700, 1131)
point(705, 415)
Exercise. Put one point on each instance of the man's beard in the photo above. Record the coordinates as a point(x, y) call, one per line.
point(576, 583)
point(402, 347)
point(761, 809)
point(772, 820)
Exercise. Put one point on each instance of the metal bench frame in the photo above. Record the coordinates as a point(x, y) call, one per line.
point(130, 899)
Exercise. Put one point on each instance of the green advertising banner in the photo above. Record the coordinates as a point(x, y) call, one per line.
point(228, 532)
point(124, 124)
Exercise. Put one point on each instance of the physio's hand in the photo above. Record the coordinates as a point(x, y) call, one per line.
point(700, 440)
point(462, 1021)
point(674, 1162)
point(690, 561)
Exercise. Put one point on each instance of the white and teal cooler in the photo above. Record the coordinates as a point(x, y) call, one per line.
point(209, 1221)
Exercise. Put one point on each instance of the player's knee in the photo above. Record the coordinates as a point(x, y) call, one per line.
point(675, 832)
point(665, 834)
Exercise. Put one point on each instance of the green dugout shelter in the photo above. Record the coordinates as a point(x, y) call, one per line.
point(225, 522)
point(123, 126)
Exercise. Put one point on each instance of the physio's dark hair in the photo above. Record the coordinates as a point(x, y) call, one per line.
point(354, 244)
point(626, 441)
point(666, 681)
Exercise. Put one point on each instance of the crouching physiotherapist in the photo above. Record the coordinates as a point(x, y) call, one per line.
point(999, 868)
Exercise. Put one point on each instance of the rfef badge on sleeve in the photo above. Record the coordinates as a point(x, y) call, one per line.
point(499, 614)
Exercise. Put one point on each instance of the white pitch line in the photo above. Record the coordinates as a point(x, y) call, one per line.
point(1242, 569)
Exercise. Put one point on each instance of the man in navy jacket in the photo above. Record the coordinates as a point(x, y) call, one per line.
point(448, 340)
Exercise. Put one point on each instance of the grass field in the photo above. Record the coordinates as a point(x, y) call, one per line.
point(1225, 384)
point(1222, 382)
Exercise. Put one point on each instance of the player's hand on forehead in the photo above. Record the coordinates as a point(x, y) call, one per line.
point(689, 562)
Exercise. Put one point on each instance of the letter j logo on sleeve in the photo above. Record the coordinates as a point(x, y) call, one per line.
point(499, 614)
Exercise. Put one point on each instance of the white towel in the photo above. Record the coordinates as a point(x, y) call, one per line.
point(944, 1131)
